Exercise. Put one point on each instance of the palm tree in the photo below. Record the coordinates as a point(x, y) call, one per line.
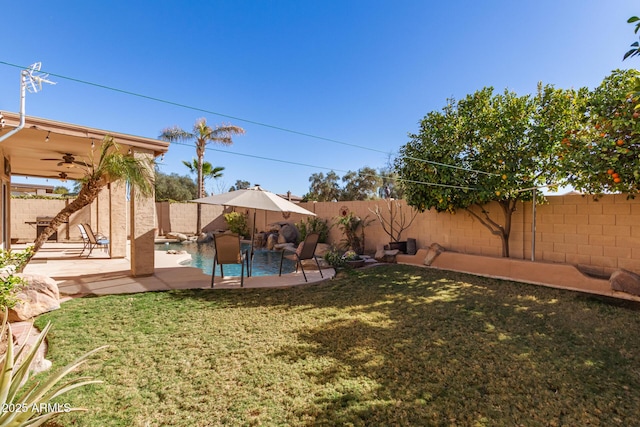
point(202, 133)
point(111, 166)
point(208, 170)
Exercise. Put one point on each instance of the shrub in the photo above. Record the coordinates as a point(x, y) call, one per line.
point(314, 225)
point(335, 259)
point(10, 283)
point(237, 223)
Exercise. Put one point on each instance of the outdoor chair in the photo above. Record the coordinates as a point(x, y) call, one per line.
point(305, 251)
point(228, 251)
point(94, 241)
point(85, 238)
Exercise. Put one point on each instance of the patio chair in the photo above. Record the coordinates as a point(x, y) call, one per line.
point(228, 251)
point(85, 238)
point(305, 251)
point(94, 241)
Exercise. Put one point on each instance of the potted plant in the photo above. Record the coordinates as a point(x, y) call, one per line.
point(397, 221)
point(352, 259)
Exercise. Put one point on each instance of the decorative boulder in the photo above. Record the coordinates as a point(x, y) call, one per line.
point(272, 241)
point(38, 296)
point(178, 236)
point(289, 232)
point(625, 281)
point(385, 255)
point(205, 238)
point(434, 250)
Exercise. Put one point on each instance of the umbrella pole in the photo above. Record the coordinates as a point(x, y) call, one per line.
point(253, 230)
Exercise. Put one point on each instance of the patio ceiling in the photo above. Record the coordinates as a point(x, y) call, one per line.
point(27, 149)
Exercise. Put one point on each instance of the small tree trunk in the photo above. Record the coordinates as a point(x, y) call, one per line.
point(87, 195)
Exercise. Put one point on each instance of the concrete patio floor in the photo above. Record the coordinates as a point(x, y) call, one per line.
point(99, 275)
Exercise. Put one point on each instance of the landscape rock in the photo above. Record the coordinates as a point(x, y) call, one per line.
point(625, 281)
point(38, 296)
point(205, 238)
point(385, 255)
point(176, 252)
point(272, 241)
point(178, 236)
point(289, 232)
point(434, 250)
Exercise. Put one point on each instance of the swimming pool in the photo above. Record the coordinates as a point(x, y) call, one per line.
point(265, 262)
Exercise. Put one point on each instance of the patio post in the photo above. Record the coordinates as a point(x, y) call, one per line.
point(143, 219)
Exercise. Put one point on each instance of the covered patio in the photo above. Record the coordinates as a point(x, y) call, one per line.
point(44, 148)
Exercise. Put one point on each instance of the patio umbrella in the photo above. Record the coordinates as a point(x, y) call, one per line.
point(254, 198)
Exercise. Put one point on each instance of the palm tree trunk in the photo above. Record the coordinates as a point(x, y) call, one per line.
point(200, 192)
point(87, 195)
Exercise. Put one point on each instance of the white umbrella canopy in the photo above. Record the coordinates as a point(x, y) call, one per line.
point(254, 198)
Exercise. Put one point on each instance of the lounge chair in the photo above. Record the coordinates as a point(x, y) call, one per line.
point(306, 251)
point(94, 241)
point(85, 238)
point(228, 251)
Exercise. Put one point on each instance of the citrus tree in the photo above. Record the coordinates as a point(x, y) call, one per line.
point(486, 148)
point(602, 154)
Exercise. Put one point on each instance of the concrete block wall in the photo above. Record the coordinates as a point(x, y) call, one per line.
point(26, 210)
point(603, 235)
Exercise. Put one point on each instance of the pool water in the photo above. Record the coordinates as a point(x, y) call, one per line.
point(265, 262)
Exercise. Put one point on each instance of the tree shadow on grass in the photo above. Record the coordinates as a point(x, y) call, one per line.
point(408, 346)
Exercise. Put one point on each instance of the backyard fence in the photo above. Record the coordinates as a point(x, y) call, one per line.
point(602, 235)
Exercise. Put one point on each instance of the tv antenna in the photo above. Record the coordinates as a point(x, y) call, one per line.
point(31, 79)
point(34, 78)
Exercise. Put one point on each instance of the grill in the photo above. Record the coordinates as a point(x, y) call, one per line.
point(43, 222)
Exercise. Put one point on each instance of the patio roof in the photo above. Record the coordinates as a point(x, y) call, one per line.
point(27, 148)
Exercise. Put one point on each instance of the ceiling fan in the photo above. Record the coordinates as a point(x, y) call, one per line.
point(68, 161)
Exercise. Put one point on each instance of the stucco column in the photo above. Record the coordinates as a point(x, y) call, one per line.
point(118, 219)
point(143, 218)
point(102, 222)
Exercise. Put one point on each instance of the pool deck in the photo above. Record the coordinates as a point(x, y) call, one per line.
point(100, 275)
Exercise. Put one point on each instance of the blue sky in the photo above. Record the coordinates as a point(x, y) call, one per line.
point(363, 73)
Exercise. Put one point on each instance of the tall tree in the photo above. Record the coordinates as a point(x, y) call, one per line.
point(202, 134)
point(240, 185)
point(112, 165)
point(208, 170)
point(496, 146)
point(323, 188)
point(175, 187)
point(360, 185)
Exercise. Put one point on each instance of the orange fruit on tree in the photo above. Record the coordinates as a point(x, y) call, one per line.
point(616, 180)
point(615, 175)
point(620, 142)
point(610, 171)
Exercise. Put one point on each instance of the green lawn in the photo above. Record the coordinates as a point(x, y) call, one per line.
point(391, 345)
